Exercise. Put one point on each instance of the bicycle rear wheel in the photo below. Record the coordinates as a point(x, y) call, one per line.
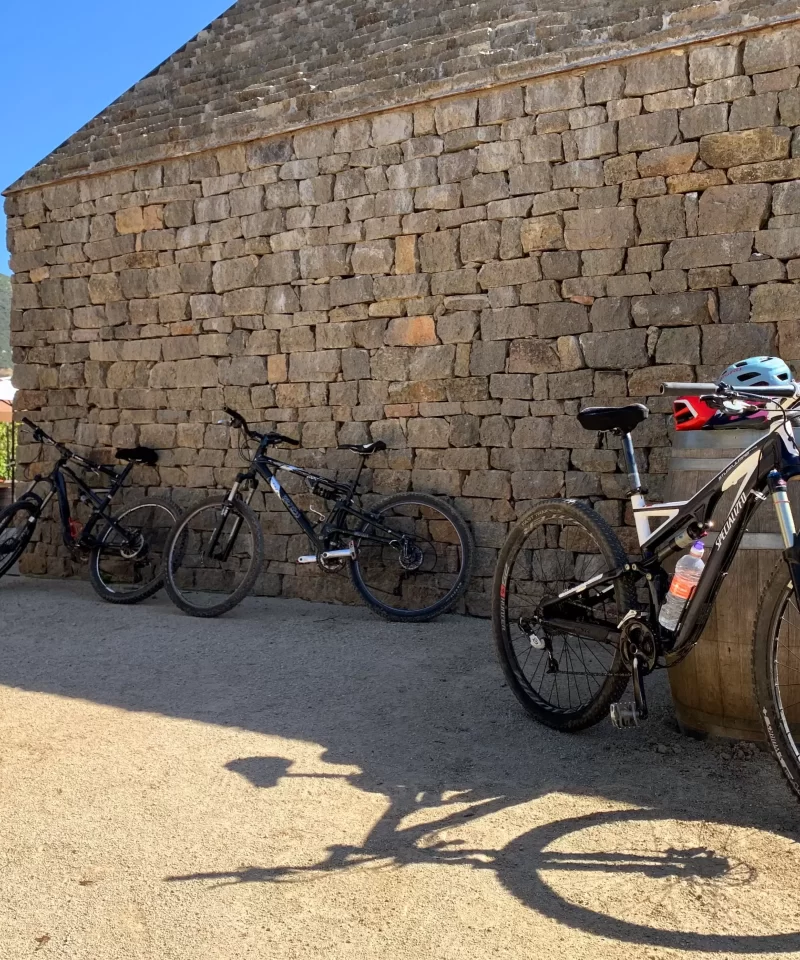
point(17, 524)
point(562, 679)
point(413, 561)
point(127, 566)
point(776, 672)
point(213, 557)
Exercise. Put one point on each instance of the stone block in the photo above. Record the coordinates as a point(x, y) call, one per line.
point(559, 319)
point(665, 71)
point(615, 349)
point(745, 147)
point(531, 432)
point(758, 271)
point(537, 485)
point(528, 178)
point(774, 302)
point(391, 128)
point(661, 219)
point(621, 169)
point(508, 323)
point(610, 313)
point(782, 244)
point(542, 233)
point(317, 366)
point(509, 273)
point(733, 209)
point(602, 85)
point(721, 91)
point(331, 260)
point(668, 161)
point(532, 356)
point(555, 94)
point(786, 198)
point(598, 229)
point(748, 113)
point(648, 131)
point(678, 345)
point(455, 114)
point(669, 100)
point(242, 371)
point(673, 310)
point(645, 259)
point(601, 263)
point(438, 252)
point(596, 141)
point(542, 148)
point(375, 256)
point(246, 301)
point(432, 363)
point(401, 287)
point(497, 156)
point(725, 343)
point(734, 304)
point(479, 241)
point(411, 332)
point(707, 118)
point(771, 51)
point(501, 105)
point(578, 173)
point(766, 172)
point(714, 63)
point(709, 251)
point(483, 188)
point(777, 80)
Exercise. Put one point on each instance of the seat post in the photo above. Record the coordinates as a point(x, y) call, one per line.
point(630, 463)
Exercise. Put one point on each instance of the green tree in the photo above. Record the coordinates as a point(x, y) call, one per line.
point(5, 321)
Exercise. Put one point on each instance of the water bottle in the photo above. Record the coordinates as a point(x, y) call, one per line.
point(687, 575)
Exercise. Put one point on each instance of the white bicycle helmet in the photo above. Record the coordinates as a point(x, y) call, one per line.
point(757, 372)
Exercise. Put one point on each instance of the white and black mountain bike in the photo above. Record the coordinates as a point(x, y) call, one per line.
point(575, 618)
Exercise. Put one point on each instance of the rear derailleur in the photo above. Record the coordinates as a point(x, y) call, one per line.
point(638, 650)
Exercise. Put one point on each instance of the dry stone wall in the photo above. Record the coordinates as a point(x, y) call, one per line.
point(457, 280)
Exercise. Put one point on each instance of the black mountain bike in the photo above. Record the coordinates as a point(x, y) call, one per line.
point(410, 556)
point(125, 550)
point(575, 618)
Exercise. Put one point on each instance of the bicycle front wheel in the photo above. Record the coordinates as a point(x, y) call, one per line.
point(413, 559)
point(776, 672)
point(127, 565)
point(213, 557)
point(564, 678)
point(17, 524)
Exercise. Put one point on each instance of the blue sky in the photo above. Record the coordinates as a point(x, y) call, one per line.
point(63, 61)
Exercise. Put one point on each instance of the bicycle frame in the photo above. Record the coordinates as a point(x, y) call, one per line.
point(57, 481)
point(268, 467)
point(760, 470)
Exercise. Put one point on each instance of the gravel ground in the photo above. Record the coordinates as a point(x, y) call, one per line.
point(297, 780)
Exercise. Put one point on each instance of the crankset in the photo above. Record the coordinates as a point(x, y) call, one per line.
point(638, 650)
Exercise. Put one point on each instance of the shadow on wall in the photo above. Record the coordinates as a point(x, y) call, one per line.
point(422, 712)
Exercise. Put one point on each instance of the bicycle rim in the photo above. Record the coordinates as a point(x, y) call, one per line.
point(417, 562)
point(784, 675)
point(17, 524)
point(130, 561)
point(564, 679)
point(211, 558)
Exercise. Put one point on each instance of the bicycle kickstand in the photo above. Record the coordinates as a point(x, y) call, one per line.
point(632, 714)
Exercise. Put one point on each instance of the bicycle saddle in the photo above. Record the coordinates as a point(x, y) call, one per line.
point(137, 455)
point(613, 418)
point(365, 449)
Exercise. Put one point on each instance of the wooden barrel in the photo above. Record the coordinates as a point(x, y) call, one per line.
point(712, 688)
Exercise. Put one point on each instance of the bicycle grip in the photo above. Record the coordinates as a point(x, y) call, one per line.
point(279, 438)
point(688, 389)
point(29, 423)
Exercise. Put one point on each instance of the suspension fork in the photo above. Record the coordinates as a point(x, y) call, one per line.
point(237, 523)
point(783, 510)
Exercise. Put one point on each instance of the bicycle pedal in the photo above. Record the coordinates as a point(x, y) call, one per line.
point(624, 715)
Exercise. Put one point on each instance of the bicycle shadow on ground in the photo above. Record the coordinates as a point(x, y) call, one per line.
point(663, 825)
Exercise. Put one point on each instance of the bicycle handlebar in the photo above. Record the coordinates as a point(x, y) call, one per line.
point(702, 389)
point(240, 423)
point(41, 436)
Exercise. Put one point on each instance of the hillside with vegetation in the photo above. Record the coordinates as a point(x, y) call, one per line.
point(5, 321)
